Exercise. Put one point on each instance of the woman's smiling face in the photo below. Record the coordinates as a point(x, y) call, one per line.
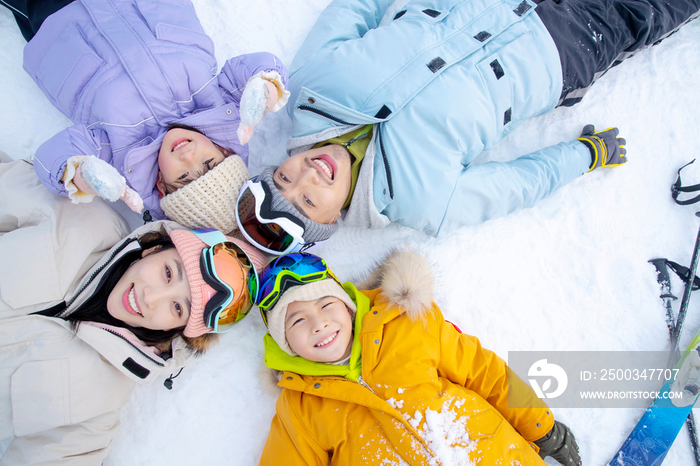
point(153, 293)
point(319, 330)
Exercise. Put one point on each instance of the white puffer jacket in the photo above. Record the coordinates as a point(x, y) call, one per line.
point(61, 391)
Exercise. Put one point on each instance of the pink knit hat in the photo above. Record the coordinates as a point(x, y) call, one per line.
point(189, 247)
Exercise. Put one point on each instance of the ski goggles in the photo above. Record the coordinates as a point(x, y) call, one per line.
point(285, 272)
point(271, 231)
point(229, 271)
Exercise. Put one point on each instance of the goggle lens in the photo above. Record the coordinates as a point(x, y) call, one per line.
point(268, 235)
point(286, 271)
point(228, 270)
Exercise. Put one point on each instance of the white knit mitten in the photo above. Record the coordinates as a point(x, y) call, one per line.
point(263, 93)
point(95, 177)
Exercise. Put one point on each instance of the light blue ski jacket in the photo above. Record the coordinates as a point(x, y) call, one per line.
point(443, 80)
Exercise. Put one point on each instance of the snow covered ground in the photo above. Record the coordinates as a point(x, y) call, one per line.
point(569, 274)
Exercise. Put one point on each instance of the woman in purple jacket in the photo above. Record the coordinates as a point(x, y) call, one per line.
point(139, 80)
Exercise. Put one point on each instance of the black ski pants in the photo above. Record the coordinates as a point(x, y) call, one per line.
point(594, 35)
point(29, 14)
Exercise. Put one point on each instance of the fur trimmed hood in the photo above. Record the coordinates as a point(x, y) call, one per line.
point(198, 345)
point(406, 280)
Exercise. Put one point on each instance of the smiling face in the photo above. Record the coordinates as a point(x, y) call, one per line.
point(319, 330)
point(317, 181)
point(153, 293)
point(184, 156)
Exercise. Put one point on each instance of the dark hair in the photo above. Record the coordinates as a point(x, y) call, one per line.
point(172, 187)
point(95, 308)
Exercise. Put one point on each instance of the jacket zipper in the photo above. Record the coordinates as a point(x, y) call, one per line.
point(427, 451)
point(324, 114)
point(354, 140)
point(387, 167)
point(134, 346)
point(99, 269)
point(364, 384)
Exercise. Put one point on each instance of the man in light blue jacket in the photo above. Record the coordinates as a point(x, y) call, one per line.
point(389, 117)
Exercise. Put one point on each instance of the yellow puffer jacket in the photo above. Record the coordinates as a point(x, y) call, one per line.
point(422, 381)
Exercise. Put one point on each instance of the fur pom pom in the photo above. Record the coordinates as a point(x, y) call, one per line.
point(201, 343)
point(406, 280)
point(268, 379)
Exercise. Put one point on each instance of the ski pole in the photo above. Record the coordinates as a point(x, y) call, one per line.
point(675, 326)
point(676, 333)
point(664, 280)
point(692, 430)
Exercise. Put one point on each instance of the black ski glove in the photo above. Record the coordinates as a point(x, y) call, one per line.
point(607, 150)
point(560, 444)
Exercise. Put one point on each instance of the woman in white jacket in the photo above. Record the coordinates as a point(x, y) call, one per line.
point(85, 313)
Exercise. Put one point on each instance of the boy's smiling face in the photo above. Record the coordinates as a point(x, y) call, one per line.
point(319, 330)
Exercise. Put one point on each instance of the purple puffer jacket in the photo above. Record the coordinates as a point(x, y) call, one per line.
point(121, 70)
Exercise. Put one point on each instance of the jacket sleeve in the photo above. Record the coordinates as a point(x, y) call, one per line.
point(55, 241)
point(340, 21)
point(238, 70)
point(289, 442)
point(83, 444)
point(495, 189)
point(51, 157)
point(465, 362)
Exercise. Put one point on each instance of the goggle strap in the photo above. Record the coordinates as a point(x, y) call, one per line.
point(262, 314)
point(210, 236)
point(265, 207)
point(287, 280)
point(272, 298)
point(223, 294)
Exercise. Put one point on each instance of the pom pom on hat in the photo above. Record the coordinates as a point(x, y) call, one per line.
point(189, 247)
point(308, 292)
point(210, 200)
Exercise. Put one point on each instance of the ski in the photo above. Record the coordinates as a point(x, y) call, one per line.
point(656, 431)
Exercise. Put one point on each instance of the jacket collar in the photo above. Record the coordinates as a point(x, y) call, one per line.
point(220, 124)
point(92, 279)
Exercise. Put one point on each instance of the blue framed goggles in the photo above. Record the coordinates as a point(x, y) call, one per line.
point(285, 272)
point(229, 271)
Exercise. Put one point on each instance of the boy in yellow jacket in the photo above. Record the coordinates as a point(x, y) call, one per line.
point(379, 377)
